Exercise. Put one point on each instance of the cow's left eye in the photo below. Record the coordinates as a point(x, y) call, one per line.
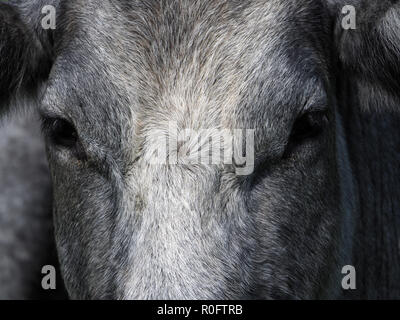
point(308, 126)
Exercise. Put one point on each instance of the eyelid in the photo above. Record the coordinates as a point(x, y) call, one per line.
point(49, 115)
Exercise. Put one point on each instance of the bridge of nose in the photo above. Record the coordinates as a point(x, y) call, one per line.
point(181, 228)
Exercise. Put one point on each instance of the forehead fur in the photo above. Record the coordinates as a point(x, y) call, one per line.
point(201, 64)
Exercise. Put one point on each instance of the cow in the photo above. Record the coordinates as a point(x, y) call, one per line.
point(322, 101)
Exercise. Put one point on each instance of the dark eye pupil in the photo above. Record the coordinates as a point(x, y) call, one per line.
point(63, 133)
point(309, 125)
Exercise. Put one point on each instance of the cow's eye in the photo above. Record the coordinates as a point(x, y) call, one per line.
point(308, 126)
point(61, 132)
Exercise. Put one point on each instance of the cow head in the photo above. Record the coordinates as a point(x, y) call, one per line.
point(136, 214)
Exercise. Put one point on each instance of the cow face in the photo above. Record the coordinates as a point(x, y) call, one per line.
point(194, 146)
point(127, 226)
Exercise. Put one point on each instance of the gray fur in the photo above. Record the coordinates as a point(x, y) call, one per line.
point(127, 229)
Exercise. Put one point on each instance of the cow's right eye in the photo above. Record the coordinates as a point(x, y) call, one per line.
point(61, 132)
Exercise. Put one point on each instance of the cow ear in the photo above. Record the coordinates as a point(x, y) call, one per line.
point(24, 63)
point(367, 36)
